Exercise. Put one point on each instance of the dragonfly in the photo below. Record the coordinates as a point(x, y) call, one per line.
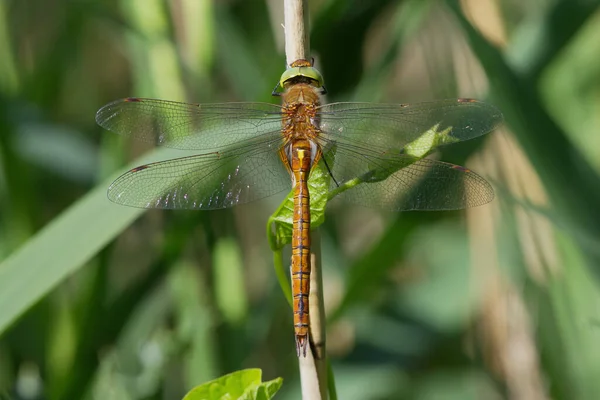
point(248, 151)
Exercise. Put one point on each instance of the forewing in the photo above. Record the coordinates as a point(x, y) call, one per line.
point(205, 127)
point(397, 182)
point(391, 127)
point(207, 181)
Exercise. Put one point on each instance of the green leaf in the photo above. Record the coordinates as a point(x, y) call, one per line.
point(429, 141)
point(245, 384)
point(63, 246)
point(268, 389)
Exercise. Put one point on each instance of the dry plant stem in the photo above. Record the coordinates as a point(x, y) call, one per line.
point(317, 308)
point(317, 315)
point(310, 380)
point(313, 367)
point(295, 13)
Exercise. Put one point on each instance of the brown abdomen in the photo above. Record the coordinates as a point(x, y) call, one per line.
point(301, 164)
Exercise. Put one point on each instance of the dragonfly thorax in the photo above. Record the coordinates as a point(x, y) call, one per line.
point(299, 112)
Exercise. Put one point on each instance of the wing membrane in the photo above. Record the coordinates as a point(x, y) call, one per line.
point(207, 181)
point(398, 182)
point(369, 142)
point(205, 127)
point(391, 127)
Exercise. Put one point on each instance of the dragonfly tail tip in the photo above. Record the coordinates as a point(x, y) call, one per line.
point(301, 344)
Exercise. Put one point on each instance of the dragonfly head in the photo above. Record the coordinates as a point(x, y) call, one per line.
point(300, 71)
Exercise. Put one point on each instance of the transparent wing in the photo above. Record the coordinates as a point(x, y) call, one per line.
point(207, 181)
point(205, 127)
point(391, 127)
point(398, 182)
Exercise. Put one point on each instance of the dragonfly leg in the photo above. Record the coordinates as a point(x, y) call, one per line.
point(330, 173)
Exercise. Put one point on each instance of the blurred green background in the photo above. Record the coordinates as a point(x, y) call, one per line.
point(109, 302)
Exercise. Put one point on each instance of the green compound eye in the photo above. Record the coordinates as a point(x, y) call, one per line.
point(307, 72)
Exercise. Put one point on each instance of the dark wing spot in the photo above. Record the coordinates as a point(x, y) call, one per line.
point(461, 168)
point(132, 100)
point(141, 167)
